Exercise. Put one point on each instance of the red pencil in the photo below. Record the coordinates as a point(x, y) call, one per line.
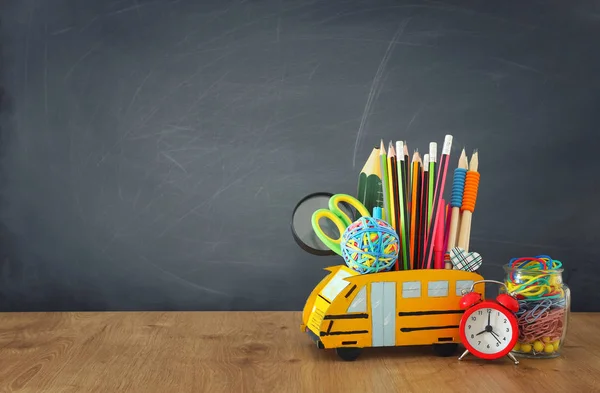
point(423, 212)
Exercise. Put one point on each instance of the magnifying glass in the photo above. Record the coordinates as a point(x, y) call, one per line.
point(301, 225)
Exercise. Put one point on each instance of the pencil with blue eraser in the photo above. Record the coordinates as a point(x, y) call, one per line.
point(377, 212)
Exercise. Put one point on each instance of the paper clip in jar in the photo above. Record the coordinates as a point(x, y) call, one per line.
point(544, 305)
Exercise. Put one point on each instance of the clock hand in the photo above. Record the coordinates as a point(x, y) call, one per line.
point(489, 314)
point(481, 332)
point(496, 337)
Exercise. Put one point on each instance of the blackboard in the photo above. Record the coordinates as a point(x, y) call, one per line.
point(152, 151)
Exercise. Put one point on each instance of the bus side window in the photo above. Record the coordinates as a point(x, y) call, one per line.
point(437, 288)
point(463, 284)
point(359, 304)
point(411, 289)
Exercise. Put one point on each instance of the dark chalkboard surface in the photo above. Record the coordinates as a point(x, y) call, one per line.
point(152, 151)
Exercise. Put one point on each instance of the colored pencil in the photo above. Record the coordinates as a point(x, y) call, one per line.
point(406, 193)
point(432, 160)
point(404, 232)
point(393, 186)
point(407, 182)
point(458, 186)
point(384, 183)
point(413, 207)
point(468, 202)
point(370, 192)
point(393, 160)
point(417, 216)
point(447, 225)
point(438, 246)
point(424, 209)
point(438, 192)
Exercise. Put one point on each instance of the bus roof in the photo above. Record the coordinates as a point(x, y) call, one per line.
point(411, 275)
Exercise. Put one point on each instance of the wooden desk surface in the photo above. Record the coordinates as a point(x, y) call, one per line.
point(255, 352)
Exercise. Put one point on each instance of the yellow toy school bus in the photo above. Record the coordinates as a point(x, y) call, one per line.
point(349, 311)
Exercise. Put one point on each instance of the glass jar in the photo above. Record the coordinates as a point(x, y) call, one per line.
point(544, 307)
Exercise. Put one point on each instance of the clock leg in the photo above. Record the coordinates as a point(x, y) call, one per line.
point(465, 353)
point(513, 358)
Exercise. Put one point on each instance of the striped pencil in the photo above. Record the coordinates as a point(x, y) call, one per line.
point(384, 183)
point(437, 198)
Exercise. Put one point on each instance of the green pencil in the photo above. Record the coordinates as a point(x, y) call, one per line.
point(403, 225)
point(384, 184)
point(370, 192)
point(432, 154)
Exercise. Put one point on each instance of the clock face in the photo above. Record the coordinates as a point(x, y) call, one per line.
point(488, 329)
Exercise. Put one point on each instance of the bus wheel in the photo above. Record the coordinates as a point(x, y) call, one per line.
point(348, 354)
point(445, 350)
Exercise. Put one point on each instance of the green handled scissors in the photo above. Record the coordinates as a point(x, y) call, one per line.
point(339, 218)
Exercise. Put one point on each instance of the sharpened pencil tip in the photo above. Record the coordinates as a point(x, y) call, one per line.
point(474, 163)
point(462, 160)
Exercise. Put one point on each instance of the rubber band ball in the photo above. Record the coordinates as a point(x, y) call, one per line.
point(370, 245)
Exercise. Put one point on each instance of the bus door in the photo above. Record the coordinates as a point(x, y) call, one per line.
point(383, 314)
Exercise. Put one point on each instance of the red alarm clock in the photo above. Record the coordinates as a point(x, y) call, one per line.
point(489, 329)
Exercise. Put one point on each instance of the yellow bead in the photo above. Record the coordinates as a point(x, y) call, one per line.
point(538, 346)
point(525, 348)
point(555, 344)
point(549, 348)
point(517, 347)
point(546, 339)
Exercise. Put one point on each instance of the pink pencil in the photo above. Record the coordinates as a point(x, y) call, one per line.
point(447, 231)
point(437, 197)
point(438, 262)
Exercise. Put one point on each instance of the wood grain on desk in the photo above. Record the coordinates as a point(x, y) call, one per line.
point(255, 352)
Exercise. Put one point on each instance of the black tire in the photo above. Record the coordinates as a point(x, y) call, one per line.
point(348, 354)
point(445, 350)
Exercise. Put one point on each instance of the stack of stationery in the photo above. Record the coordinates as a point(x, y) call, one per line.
point(409, 195)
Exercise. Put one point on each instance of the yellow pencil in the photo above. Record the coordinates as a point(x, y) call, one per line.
point(391, 155)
